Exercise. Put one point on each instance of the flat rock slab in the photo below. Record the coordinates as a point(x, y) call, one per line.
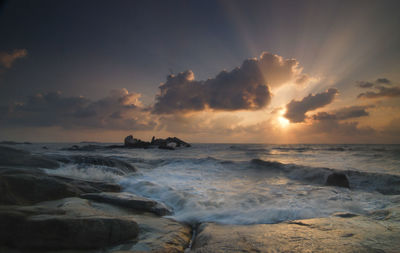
point(343, 233)
point(129, 200)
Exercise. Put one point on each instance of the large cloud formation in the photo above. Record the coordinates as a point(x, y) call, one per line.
point(119, 110)
point(296, 110)
point(7, 59)
point(244, 88)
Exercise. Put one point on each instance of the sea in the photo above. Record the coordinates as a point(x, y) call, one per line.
point(247, 183)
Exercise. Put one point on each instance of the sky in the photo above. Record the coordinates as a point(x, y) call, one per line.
point(204, 71)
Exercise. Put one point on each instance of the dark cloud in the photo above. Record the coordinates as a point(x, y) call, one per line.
point(246, 87)
point(296, 110)
point(377, 83)
point(364, 84)
point(119, 110)
point(344, 113)
point(7, 59)
point(383, 81)
point(381, 91)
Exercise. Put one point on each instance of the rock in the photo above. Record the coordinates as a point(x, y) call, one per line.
point(337, 179)
point(156, 234)
point(332, 234)
point(89, 147)
point(129, 200)
point(22, 158)
point(135, 143)
point(179, 142)
point(49, 231)
point(121, 167)
point(28, 186)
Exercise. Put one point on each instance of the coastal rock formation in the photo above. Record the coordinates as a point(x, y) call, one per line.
point(168, 143)
point(44, 231)
point(28, 186)
point(338, 179)
point(135, 143)
point(155, 234)
point(15, 157)
point(348, 233)
point(129, 200)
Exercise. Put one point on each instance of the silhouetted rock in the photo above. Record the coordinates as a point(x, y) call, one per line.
point(135, 143)
point(338, 179)
point(129, 200)
point(170, 143)
point(29, 186)
point(15, 157)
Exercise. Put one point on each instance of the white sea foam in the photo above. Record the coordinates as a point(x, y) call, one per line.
point(220, 183)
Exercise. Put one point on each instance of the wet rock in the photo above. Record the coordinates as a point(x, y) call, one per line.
point(333, 234)
point(28, 186)
point(156, 234)
point(54, 231)
point(15, 157)
point(121, 167)
point(337, 179)
point(129, 200)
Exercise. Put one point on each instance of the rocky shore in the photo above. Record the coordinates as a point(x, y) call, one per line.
point(40, 212)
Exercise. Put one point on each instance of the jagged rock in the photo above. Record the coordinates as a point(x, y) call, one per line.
point(28, 186)
point(332, 234)
point(338, 179)
point(15, 157)
point(129, 200)
point(135, 143)
point(30, 230)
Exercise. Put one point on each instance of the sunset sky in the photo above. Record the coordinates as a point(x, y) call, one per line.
point(204, 71)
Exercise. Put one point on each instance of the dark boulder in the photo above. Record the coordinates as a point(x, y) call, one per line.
point(338, 179)
point(28, 186)
point(129, 200)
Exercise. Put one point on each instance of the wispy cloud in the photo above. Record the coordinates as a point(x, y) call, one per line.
point(7, 59)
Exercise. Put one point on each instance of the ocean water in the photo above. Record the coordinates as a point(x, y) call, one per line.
point(249, 183)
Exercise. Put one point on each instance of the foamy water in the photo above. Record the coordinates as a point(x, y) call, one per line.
point(224, 183)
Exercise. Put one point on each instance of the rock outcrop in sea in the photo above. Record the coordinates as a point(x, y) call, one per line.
point(168, 143)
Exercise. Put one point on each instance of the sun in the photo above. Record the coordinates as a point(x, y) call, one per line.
point(282, 121)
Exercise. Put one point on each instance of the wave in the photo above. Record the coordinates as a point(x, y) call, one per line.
point(384, 183)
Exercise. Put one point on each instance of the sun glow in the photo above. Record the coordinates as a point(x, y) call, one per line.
point(283, 122)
